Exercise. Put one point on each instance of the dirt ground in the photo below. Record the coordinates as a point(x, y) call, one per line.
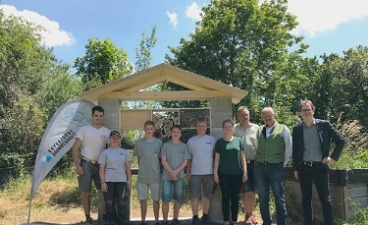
point(49, 207)
point(75, 216)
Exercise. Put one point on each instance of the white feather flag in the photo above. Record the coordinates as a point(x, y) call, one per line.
point(59, 137)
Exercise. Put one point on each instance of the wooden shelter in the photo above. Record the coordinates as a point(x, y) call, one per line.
point(131, 88)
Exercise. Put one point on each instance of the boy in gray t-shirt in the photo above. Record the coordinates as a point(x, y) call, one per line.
point(147, 150)
point(174, 157)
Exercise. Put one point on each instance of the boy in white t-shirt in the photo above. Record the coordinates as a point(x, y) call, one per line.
point(200, 170)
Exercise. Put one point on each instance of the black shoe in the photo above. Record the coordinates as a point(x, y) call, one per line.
point(195, 220)
point(204, 219)
point(157, 223)
point(142, 223)
point(165, 223)
point(89, 221)
point(175, 222)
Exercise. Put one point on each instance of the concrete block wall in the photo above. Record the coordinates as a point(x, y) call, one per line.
point(112, 113)
point(220, 109)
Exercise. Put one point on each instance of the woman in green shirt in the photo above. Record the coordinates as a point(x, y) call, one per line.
point(230, 170)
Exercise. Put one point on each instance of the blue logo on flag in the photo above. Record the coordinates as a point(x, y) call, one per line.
point(46, 159)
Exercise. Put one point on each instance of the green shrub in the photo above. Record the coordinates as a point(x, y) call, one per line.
point(14, 161)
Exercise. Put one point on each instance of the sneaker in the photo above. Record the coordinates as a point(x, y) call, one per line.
point(165, 222)
point(175, 222)
point(204, 219)
point(226, 223)
point(109, 222)
point(105, 221)
point(89, 221)
point(250, 219)
point(195, 220)
point(157, 223)
point(142, 223)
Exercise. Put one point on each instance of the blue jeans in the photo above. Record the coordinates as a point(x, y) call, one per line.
point(266, 175)
point(172, 189)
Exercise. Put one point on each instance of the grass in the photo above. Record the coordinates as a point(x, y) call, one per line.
point(57, 201)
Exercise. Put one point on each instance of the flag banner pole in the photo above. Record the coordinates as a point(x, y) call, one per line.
point(59, 137)
point(29, 210)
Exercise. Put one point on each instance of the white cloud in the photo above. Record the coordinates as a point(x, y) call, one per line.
point(315, 16)
point(52, 36)
point(173, 19)
point(193, 12)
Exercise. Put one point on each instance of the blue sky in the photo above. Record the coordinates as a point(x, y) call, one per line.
point(329, 26)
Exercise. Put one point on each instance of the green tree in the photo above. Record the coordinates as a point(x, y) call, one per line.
point(102, 63)
point(349, 98)
point(247, 45)
point(32, 85)
point(58, 88)
point(24, 63)
point(143, 55)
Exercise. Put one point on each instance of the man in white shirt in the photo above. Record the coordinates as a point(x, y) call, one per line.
point(90, 141)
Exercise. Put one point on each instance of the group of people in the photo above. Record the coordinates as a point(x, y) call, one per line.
point(246, 161)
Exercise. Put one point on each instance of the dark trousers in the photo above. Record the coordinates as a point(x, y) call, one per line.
point(115, 198)
point(230, 190)
point(319, 173)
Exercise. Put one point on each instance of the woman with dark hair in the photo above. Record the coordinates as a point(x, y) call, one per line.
point(115, 174)
point(230, 170)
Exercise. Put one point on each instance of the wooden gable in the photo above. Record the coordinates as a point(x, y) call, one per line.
point(130, 88)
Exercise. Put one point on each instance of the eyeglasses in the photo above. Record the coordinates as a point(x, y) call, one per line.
point(305, 110)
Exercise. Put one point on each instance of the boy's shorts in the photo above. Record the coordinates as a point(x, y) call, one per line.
point(199, 183)
point(143, 189)
point(172, 190)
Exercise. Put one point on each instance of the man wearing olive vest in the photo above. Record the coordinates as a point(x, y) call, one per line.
point(273, 152)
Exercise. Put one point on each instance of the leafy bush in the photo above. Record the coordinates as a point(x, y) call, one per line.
point(21, 127)
point(14, 161)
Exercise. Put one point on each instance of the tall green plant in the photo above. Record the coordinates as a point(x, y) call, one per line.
point(24, 61)
point(143, 54)
point(102, 63)
point(32, 86)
